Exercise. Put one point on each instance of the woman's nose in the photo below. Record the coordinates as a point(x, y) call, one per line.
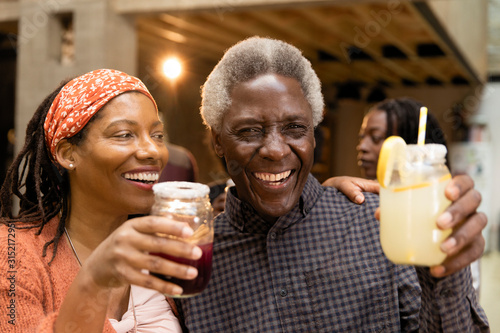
point(148, 148)
point(363, 145)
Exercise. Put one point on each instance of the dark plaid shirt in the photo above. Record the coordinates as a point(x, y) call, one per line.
point(320, 268)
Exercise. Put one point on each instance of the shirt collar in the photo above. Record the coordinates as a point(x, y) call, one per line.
point(244, 217)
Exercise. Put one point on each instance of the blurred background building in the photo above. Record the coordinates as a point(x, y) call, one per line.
point(445, 53)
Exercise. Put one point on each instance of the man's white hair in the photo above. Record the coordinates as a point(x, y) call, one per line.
point(248, 59)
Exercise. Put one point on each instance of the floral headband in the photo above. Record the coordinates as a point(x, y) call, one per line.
point(81, 98)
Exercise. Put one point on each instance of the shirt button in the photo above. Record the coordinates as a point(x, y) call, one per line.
point(283, 292)
point(273, 235)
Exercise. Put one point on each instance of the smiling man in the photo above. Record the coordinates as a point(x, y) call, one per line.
point(293, 256)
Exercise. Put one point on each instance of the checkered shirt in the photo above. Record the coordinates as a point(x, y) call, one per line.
point(320, 268)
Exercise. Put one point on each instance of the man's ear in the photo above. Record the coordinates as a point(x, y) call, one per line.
point(217, 144)
point(64, 154)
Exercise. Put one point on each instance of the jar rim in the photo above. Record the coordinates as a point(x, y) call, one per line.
point(180, 190)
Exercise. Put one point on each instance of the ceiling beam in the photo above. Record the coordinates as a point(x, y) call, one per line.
point(446, 43)
point(157, 6)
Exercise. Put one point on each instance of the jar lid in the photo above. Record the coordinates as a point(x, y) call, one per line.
point(181, 190)
point(431, 152)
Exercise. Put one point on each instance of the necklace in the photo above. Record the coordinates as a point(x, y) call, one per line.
point(130, 288)
point(72, 246)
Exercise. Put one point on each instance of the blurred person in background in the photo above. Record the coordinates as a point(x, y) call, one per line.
point(399, 116)
point(181, 165)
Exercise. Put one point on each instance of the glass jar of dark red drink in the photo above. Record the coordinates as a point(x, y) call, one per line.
point(188, 202)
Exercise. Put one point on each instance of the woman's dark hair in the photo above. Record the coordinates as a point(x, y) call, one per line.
point(403, 116)
point(42, 187)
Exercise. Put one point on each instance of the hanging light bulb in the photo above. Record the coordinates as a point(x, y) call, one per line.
point(172, 68)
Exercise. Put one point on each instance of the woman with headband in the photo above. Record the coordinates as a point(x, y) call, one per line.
point(73, 260)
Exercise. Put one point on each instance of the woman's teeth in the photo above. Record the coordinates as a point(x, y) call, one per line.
point(143, 177)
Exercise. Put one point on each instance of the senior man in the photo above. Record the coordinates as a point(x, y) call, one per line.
point(293, 256)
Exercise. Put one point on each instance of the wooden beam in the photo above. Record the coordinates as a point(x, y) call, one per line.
point(157, 28)
point(346, 36)
point(165, 46)
point(195, 25)
point(447, 45)
point(245, 26)
point(157, 6)
point(289, 25)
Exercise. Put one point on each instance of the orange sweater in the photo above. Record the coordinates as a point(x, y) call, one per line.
point(31, 291)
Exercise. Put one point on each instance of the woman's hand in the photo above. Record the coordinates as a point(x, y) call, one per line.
point(119, 261)
point(353, 187)
point(123, 256)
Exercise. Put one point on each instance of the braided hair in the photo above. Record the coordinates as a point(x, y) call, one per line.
point(42, 188)
point(403, 116)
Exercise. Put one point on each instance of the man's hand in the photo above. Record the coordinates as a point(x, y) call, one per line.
point(466, 243)
point(353, 186)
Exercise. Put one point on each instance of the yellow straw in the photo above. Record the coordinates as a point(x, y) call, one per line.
point(421, 126)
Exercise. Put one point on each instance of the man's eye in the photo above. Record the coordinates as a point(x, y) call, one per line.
point(250, 131)
point(295, 129)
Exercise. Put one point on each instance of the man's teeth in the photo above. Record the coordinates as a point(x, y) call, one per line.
point(272, 177)
point(143, 176)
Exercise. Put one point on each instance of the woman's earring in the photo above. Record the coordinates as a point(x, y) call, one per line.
point(71, 166)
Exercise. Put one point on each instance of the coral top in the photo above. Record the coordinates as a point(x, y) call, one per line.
point(31, 291)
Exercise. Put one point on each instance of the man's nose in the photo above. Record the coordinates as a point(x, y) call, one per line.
point(274, 146)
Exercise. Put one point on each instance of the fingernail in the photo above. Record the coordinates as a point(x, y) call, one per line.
point(444, 220)
point(454, 193)
point(177, 290)
point(196, 253)
point(358, 199)
point(438, 270)
point(448, 244)
point(187, 232)
point(191, 272)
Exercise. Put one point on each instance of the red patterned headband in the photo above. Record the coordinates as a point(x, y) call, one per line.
point(81, 98)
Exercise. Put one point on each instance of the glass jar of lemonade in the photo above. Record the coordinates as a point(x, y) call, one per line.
point(410, 204)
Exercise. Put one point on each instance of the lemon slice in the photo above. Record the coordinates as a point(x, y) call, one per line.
point(392, 155)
